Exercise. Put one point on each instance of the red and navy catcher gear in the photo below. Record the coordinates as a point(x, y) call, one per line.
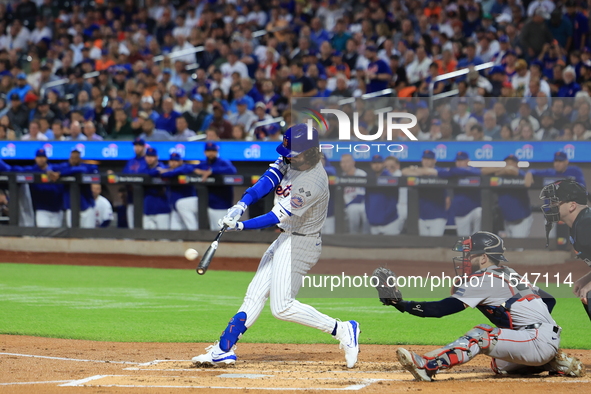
point(477, 244)
point(298, 139)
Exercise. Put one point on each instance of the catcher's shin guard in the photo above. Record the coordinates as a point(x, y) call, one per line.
point(232, 333)
point(481, 338)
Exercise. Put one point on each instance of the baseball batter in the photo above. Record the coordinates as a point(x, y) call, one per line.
point(525, 337)
point(301, 201)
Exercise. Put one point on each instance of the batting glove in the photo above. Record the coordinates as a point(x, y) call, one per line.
point(232, 225)
point(235, 212)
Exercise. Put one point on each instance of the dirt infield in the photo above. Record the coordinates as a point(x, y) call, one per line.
point(44, 365)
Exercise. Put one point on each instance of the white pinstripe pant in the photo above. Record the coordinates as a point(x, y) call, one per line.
point(279, 277)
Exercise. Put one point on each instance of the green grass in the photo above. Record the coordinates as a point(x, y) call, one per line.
point(165, 305)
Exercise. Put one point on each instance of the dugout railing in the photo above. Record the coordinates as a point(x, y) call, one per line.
point(489, 186)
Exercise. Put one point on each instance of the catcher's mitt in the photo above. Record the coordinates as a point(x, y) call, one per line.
point(386, 286)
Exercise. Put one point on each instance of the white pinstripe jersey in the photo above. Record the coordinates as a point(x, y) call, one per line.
point(304, 195)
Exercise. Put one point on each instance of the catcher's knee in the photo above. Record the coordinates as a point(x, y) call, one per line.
point(232, 333)
point(485, 336)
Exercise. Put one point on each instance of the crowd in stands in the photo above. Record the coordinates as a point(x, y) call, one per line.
point(91, 70)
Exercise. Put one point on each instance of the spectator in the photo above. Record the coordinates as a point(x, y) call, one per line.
point(21, 88)
point(301, 85)
point(243, 116)
point(525, 114)
point(570, 87)
point(151, 133)
point(182, 104)
point(580, 25)
point(239, 134)
point(535, 34)
point(35, 133)
point(580, 133)
point(18, 114)
point(418, 69)
point(167, 119)
point(547, 131)
point(90, 133)
point(491, 128)
point(76, 132)
point(221, 126)
point(182, 131)
point(354, 198)
point(103, 211)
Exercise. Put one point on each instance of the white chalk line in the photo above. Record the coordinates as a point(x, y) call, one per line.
point(69, 359)
point(47, 382)
point(82, 382)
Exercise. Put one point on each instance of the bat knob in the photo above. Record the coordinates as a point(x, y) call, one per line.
point(200, 271)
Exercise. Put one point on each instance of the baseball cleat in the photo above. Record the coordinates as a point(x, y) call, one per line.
point(215, 357)
point(414, 364)
point(566, 365)
point(348, 335)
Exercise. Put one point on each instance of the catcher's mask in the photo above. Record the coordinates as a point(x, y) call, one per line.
point(557, 193)
point(477, 244)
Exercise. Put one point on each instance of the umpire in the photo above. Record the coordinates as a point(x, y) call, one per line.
point(566, 200)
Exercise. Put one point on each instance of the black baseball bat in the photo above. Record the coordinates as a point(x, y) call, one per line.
point(208, 256)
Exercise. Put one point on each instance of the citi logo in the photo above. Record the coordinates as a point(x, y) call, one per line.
point(569, 149)
point(178, 148)
point(253, 152)
point(110, 151)
point(440, 152)
point(48, 149)
point(526, 152)
point(8, 151)
point(486, 152)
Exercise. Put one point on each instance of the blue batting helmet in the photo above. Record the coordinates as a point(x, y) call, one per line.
point(296, 140)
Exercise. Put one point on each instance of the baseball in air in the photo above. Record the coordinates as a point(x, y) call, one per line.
point(191, 254)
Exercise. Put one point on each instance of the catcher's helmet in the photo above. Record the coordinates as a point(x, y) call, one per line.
point(296, 140)
point(478, 243)
point(565, 190)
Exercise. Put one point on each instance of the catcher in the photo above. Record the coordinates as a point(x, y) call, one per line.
point(525, 338)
